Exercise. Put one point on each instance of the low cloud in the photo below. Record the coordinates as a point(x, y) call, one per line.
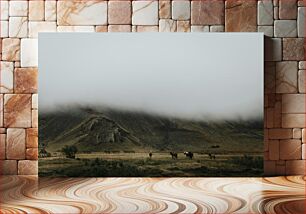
point(194, 76)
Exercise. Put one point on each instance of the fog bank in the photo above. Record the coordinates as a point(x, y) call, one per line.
point(194, 75)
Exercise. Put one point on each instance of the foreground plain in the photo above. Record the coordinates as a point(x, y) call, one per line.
point(124, 164)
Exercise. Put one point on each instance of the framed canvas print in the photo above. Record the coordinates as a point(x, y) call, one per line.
point(151, 104)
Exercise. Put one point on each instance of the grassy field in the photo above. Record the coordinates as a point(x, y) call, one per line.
point(129, 164)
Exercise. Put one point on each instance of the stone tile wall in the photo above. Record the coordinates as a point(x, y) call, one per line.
point(282, 21)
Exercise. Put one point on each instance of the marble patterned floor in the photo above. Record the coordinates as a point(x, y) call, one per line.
point(27, 194)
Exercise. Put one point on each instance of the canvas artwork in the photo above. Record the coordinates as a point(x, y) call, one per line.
point(150, 104)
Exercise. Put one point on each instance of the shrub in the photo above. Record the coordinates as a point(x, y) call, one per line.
point(70, 151)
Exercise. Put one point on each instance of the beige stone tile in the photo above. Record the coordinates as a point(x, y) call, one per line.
point(6, 77)
point(4, 10)
point(295, 167)
point(285, 28)
point(278, 114)
point(216, 28)
point(8, 167)
point(273, 49)
point(134, 28)
point(18, 8)
point(18, 27)
point(15, 143)
point(280, 170)
point(101, 28)
point(269, 168)
point(4, 29)
point(17, 110)
point(301, 83)
point(32, 138)
point(36, 10)
point(286, 77)
point(275, 13)
point(265, 12)
point(301, 3)
point(287, 9)
point(180, 10)
point(145, 13)
point(267, 30)
point(293, 103)
point(164, 9)
point(50, 10)
point(239, 16)
point(29, 53)
point(266, 135)
point(17, 64)
point(290, 149)
point(303, 151)
point(269, 77)
point(167, 25)
point(280, 163)
point(280, 133)
point(274, 150)
point(119, 12)
point(293, 49)
point(2, 146)
point(75, 29)
point(183, 26)
point(293, 120)
point(269, 117)
point(32, 154)
point(28, 167)
point(303, 135)
point(38, 26)
point(25, 80)
point(11, 49)
point(147, 28)
point(89, 12)
point(2, 130)
point(34, 101)
point(297, 133)
point(119, 28)
point(34, 118)
point(200, 28)
point(207, 12)
point(1, 110)
point(266, 156)
point(302, 65)
point(278, 97)
point(301, 21)
point(266, 146)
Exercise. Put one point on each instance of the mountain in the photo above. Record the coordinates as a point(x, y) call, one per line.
point(109, 130)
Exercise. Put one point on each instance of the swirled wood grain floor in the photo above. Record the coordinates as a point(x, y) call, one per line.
point(26, 194)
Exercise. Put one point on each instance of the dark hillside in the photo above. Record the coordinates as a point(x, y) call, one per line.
point(106, 130)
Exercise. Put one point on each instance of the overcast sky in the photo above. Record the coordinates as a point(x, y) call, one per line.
point(188, 75)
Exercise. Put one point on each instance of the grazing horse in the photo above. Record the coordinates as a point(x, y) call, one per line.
point(173, 155)
point(189, 155)
point(212, 156)
point(150, 155)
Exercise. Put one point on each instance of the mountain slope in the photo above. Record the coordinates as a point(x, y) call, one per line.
point(107, 130)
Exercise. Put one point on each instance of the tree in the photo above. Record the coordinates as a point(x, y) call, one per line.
point(70, 151)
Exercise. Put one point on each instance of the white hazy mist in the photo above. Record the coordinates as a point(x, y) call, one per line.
point(186, 75)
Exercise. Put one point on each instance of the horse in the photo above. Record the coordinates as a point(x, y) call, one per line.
point(150, 155)
point(173, 155)
point(211, 156)
point(189, 155)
